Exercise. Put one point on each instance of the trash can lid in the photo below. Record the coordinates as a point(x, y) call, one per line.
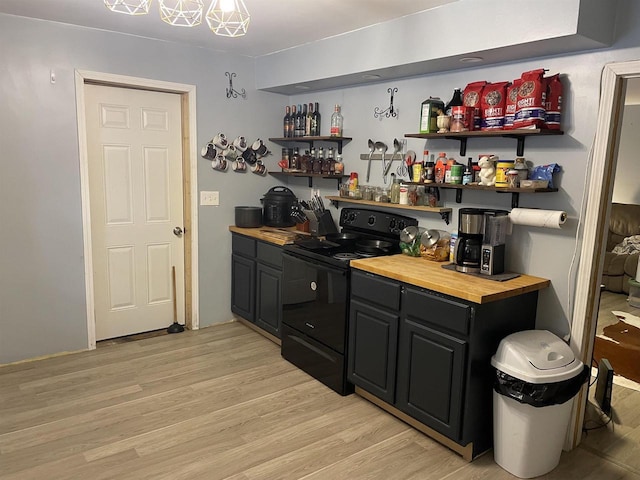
point(536, 356)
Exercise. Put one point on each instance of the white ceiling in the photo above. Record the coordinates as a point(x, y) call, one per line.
point(275, 24)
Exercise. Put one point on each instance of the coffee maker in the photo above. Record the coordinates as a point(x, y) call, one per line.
point(496, 224)
point(468, 247)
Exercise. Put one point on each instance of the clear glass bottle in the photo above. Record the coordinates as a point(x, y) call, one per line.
point(336, 122)
point(339, 168)
point(395, 189)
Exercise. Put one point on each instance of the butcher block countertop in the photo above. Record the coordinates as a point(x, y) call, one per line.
point(430, 275)
point(277, 236)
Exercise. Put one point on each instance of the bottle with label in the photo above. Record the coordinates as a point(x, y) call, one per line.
point(353, 184)
point(307, 120)
point(299, 125)
point(303, 121)
point(292, 121)
point(447, 173)
point(329, 164)
point(429, 170)
point(456, 101)
point(467, 175)
point(287, 119)
point(339, 167)
point(440, 167)
point(452, 246)
point(294, 162)
point(319, 161)
point(336, 122)
point(395, 189)
point(315, 121)
point(403, 195)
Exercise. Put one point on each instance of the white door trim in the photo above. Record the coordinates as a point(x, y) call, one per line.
point(596, 214)
point(188, 93)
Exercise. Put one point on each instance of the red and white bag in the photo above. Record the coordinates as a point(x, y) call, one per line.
point(471, 98)
point(510, 106)
point(532, 96)
point(553, 103)
point(492, 105)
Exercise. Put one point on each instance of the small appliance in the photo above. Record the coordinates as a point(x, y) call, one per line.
point(496, 223)
point(469, 244)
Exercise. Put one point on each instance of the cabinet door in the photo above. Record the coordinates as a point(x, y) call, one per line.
point(431, 368)
point(243, 287)
point(373, 340)
point(268, 299)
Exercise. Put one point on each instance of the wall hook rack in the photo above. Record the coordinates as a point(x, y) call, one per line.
point(388, 112)
point(231, 92)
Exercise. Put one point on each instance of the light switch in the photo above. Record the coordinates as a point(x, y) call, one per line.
point(209, 198)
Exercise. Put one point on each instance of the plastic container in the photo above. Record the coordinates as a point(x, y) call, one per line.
point(502, 167)
point(537, 376)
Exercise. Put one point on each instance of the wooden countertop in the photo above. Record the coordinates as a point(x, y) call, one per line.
point(277, 236)
point(430, 275)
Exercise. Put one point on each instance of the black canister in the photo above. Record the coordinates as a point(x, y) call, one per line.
point(277, 204)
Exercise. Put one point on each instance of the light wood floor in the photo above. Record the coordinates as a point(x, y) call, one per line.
point(221, 403)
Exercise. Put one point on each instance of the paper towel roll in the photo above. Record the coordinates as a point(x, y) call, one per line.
point(538, 218)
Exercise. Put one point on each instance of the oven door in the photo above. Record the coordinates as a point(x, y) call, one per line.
point(315, 300)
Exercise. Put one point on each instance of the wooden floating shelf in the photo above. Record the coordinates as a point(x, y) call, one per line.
point(311, 140)
point(519, 134)
point(442, 211)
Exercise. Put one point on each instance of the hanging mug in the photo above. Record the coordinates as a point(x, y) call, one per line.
point(209, 152)
point(240, 143)
point(259, 168)
point(259, 147)
point(219, 163)
point(220, 141)
point(230, 153)
point(239, 165)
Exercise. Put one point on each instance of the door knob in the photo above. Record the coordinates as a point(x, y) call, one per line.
point(177, 231)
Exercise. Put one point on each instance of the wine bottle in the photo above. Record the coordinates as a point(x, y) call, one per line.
point(292, 121)
point(307, 120)
point(315, 121)
point(286, 121)
point(299, 123)
point(336, 122)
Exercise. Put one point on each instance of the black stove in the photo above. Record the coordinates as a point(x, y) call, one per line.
point(315, 292)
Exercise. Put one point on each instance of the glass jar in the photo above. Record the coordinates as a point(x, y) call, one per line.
point(367, 192)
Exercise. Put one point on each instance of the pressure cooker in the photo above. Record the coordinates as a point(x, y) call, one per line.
point(277, 203)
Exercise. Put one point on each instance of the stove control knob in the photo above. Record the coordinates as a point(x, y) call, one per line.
point(392, 224)
point(401, 225)
point(371, 220)
point(351, 217)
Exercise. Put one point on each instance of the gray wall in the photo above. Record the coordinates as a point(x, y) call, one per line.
point(627, 188)
point(42, 304)
point(42, 292)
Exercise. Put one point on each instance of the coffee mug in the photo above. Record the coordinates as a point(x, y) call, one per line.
point(230, 153)
point(259, 147)
point(259, 168)
point(209, 152)
point(239, 165)
point(220, 141)
point(219, 163)
point(240, 143)
point(249, 156)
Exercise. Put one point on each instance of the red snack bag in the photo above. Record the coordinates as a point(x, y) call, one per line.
point(492, 105)
point(471, 98)
point(553, 104)
point(532, 95)
point(510, 105)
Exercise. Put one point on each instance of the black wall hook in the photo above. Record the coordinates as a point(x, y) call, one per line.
point(230, 91)
point(389, 112)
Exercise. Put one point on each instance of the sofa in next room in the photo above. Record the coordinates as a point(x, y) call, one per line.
point(623, 247)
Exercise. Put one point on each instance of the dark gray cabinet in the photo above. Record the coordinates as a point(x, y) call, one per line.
point(427, 355)
point(256, 282)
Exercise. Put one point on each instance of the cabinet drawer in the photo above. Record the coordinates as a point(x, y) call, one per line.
point(270, 254)
point(378, 290)
point(440, 311)
point(242, 245)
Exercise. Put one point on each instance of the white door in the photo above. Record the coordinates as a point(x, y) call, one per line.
point(135, 184)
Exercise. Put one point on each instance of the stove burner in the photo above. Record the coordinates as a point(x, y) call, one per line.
point(345, 256)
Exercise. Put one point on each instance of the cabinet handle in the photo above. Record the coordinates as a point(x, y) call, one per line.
point(309, 325)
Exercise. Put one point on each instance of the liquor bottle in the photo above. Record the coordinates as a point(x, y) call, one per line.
point(317, 165)
point(456, 101)
point(315, 121)
point(294, 163)
point(329, 164)
point(336, 122)
point(467, 176)
point(395, 189)
point(307, 121)
point(287, 119)
point(339, 168)
point(299, 122)
point(292, 121)
point(429, 170)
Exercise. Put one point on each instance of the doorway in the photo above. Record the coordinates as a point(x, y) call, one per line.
point(188, 145)
point(597, 209)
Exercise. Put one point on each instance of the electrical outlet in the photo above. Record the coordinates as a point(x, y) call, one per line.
point(209, 198)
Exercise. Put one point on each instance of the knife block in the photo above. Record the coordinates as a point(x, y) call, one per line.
point(320, 224)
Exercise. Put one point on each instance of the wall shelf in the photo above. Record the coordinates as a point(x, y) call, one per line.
point(310, 176)
point(442, 211)
point(518, 134)
point(515, 192)
point(312, 140)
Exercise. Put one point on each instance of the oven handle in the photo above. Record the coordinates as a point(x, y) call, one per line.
point(317, 265)
point(312, 347)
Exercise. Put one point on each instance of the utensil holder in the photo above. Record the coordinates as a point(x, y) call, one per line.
point(320, 223)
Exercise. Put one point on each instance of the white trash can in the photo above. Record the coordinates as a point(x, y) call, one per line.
point(537, 376)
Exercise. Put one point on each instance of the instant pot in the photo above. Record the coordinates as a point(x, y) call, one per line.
point(277, 203)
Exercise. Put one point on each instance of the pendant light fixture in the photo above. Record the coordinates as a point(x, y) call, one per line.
point(129, 7)
point(181, 13)
point(228, 18)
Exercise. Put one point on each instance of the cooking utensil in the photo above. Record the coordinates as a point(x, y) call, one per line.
point(372, 147)
point(374, 246)
point(382, 148)
point(342, 238)
point(248, 217)
point(407, 165)
point(397, 146)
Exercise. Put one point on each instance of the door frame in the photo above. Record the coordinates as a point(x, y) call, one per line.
point(597, 209)
point(189, 181)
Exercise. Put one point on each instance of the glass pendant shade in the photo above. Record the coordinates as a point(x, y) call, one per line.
point(228, 18)
point(130, 7)
point(181, 13)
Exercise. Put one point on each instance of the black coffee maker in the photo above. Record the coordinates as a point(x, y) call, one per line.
point(468, 249)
